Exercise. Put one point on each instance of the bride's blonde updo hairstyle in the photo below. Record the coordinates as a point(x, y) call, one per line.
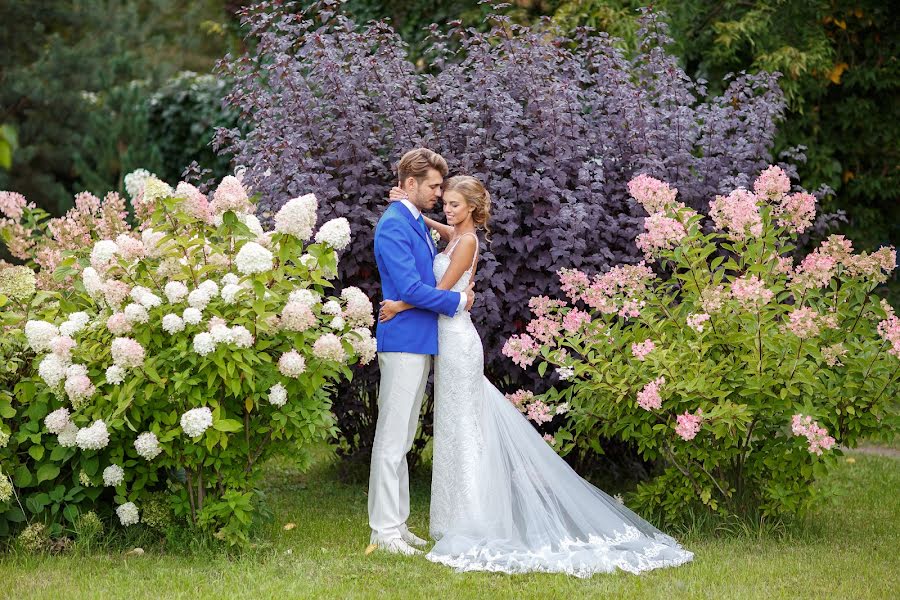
point(476, 195)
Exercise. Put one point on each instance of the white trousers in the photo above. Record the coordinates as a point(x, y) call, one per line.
point(403, 380)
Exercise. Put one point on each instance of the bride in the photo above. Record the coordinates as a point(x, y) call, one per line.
point(501, 498)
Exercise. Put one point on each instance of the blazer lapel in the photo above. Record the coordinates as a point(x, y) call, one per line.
point(416, 227)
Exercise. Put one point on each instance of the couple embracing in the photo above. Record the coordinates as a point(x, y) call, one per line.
point(502, 499)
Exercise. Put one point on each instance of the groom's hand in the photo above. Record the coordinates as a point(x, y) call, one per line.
point(470, 296)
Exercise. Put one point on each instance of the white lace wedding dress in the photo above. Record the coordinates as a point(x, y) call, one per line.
point(501, 498)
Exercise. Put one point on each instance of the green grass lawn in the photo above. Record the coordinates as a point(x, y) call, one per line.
point(847, 549)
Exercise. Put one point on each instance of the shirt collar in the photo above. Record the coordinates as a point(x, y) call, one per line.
point(412, 208)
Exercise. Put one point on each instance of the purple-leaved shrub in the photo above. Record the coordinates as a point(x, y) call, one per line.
point(554, 126)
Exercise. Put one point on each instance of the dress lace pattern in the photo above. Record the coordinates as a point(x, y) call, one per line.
point(502, 499)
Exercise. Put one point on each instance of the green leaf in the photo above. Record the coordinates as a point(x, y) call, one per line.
point(70, 512)
point(47, 472)
point(228, 425)
point(36, 452)
point(22, 477)
point(58, 453)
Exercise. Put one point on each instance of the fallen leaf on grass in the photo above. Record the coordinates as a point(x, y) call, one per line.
point(289, 526)
point(370, 549)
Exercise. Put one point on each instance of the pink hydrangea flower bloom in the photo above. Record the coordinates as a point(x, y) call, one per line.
point(662, 233)
point(649, 398)
point(772, 183)
point(520, 399)
point(751, 292)
point(737, 214)
point(538, 412)
point(651, 193)
point(574, 319)
point(816, 435)
point(641, 350)
point(522, 349)
point(689, 425)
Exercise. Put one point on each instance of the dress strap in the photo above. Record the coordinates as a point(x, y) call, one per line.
point(456, 242)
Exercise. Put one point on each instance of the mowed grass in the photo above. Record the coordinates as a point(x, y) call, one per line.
point(848, 549)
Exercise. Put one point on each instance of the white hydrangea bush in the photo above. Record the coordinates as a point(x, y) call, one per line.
point(197, 345)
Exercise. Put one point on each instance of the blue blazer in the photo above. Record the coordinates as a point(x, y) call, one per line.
point(404, 255)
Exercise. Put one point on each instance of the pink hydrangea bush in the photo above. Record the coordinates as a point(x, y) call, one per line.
point(42, 243)
point(200, 345)
point(738, 371)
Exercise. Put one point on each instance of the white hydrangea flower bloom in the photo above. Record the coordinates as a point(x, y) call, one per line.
point(230, 279)
point(241, 336)
point(304, 296)
point(192, 316)
point(134, 181)
point(128, 514)
point(40, 334)
point(253, 258)
point(138, 291)
point(359, 308)
point(79, 388)
point(363, 344)
point(103, 252)
point(80, 319)
point(172, 323)
point(93, 437)
point(278, 395)
point(93, 283)
point(329, 347)
point(52, 369)
point(297, 217)
point(221, 334)
point(115, 375)
point(210, 287)
point(204, 343)
point(197, 420)
point(127, 353)
point(335, 233)
point(67, 436)
point(147, 445)
point(175, 291)
point(151, 241)
point(291, 364)
point(230, 292)
point(252, 223)
point(135, 313)
point(62, 346)
point(57, 421)
point(198, 299)
point(75, 323)
point(331, 308)
point(113, 475)
point(76, 370)
point(150, 300)
point(338, 322)
point(565, 373)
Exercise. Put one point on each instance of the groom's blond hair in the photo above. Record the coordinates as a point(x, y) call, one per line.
point(416, 163)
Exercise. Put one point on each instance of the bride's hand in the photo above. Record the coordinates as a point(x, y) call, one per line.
point(388, 310)
point(396, 194)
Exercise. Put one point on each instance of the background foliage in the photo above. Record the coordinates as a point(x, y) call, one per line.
point(76, 78)
point(554, 130)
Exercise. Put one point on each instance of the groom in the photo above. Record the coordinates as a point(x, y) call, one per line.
point(404, 253)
